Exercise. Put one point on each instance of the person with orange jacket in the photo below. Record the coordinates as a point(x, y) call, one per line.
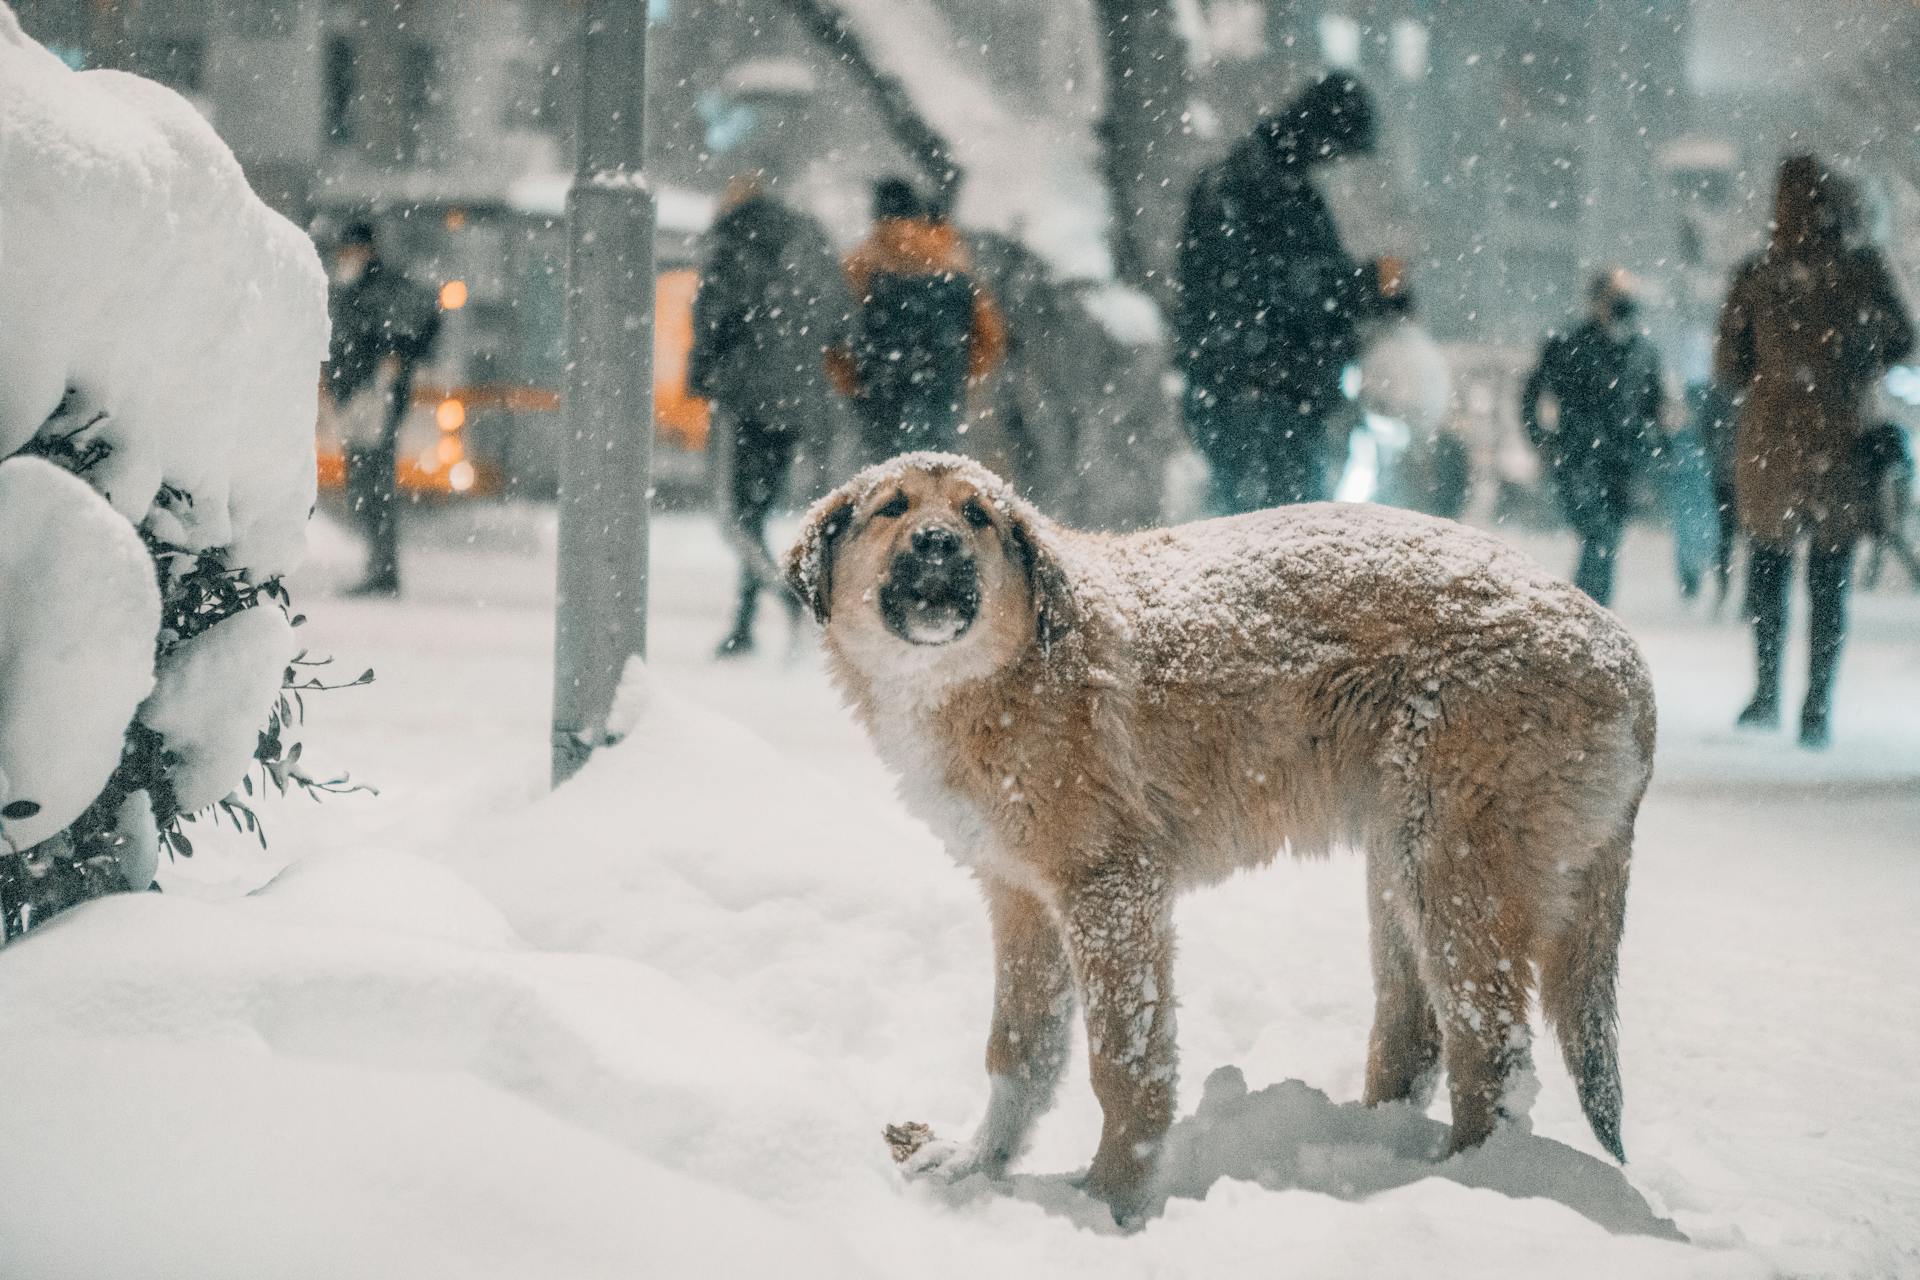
point(925, 330)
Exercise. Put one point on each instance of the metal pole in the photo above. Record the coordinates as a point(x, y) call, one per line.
point(606, 463)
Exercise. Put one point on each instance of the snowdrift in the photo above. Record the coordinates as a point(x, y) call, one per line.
point(642, 1026)
point(161, 334)
point(139, 271)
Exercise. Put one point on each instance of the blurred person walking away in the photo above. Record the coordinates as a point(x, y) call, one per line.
point(925, 329)
point(1270, 303)
point(1809, 326)
point(771, 304)
point(1602, 381)
point(384, 328)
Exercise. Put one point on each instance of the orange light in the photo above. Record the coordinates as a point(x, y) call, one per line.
point(460, 476)
point(456, 219)
point(453, 295)
point(449, 451)
point(451, 414)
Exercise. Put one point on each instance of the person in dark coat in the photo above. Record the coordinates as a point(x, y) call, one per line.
point(1270, 302)
point(771, 303)
point(1603, 379)
point(384, 328)
point(1810, 324)
point(926, 329)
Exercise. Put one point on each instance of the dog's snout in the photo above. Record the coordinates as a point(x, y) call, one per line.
point(936, 542)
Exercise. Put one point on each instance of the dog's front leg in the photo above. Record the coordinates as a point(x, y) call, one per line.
point(1032, 1002)
point(1026, 1044)
point(1119, 931)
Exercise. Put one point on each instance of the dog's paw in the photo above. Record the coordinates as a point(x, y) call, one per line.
point(922, 1155)
point(907, 1140)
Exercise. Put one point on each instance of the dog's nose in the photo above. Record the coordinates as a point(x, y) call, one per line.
point(936, 542)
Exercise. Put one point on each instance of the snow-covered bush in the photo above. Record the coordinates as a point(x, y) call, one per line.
point(161, 333)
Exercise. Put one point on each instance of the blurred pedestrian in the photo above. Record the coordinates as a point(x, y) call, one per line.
point(925, 328)
point(384, 328)
point(771, 303)
point(1809, 325)
point(1270, 302)
point(1601, 382)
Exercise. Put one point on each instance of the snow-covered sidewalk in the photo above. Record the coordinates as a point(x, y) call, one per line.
point(653, 1024)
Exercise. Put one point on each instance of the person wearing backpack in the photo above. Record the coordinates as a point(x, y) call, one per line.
point(1602, 378)
point(1270, 303)
point(924, 327)
point(771, 303)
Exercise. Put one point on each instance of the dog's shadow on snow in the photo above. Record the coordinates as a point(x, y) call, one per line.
point(1290, 1136)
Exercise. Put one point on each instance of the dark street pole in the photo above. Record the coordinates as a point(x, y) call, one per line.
point(606, 462)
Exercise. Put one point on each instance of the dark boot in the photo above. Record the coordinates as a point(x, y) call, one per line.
point(739, 641)
point(1829, 580)
point(1768, 574)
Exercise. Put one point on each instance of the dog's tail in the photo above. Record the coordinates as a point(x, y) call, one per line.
point(1577, 980)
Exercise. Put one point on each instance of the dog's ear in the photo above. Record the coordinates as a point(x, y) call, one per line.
point(810, 562)
point(1053, 611)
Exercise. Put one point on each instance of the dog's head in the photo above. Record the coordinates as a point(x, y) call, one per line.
point(929, 563)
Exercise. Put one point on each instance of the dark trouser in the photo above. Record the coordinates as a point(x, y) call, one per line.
point(1600, 534)
point(374, 501)
point(762, 456)
point(1829, 580)
point(1261, 453)
point(904, 419)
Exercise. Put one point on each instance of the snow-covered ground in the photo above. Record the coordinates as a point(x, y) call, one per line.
point(653, 1024)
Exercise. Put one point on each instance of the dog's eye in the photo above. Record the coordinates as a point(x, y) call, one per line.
point(975, 514)
point(895, 508)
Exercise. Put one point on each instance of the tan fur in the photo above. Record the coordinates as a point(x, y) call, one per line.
point(1090, 750)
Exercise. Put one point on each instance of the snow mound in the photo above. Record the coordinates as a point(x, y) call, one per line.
point(77, 631)
point(1291, 1136)
point(461, 1105)
point(140, 272)
point(212, 697)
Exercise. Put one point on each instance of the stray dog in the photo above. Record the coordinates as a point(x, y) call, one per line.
point(1095, 723)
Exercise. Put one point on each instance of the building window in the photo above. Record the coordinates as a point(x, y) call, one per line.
point(419, 94)
point(1410, 40)
point(342, 89)
point(1339, 40)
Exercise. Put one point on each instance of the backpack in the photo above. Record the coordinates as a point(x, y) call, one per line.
point(915, 335)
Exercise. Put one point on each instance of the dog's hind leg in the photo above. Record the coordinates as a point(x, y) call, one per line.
point(1578, 968)
point(1032, 1011)
point(1403, 1051)
point(1475, 951)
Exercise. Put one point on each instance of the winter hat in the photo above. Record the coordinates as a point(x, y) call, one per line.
point(1331, 117)
point(895, 198)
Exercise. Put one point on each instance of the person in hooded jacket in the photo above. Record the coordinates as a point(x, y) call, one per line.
point(1270, 303)
point(771, 304)
point(925, 328)
point(384, 329)
point(1810, 324)
point(1603, 377)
